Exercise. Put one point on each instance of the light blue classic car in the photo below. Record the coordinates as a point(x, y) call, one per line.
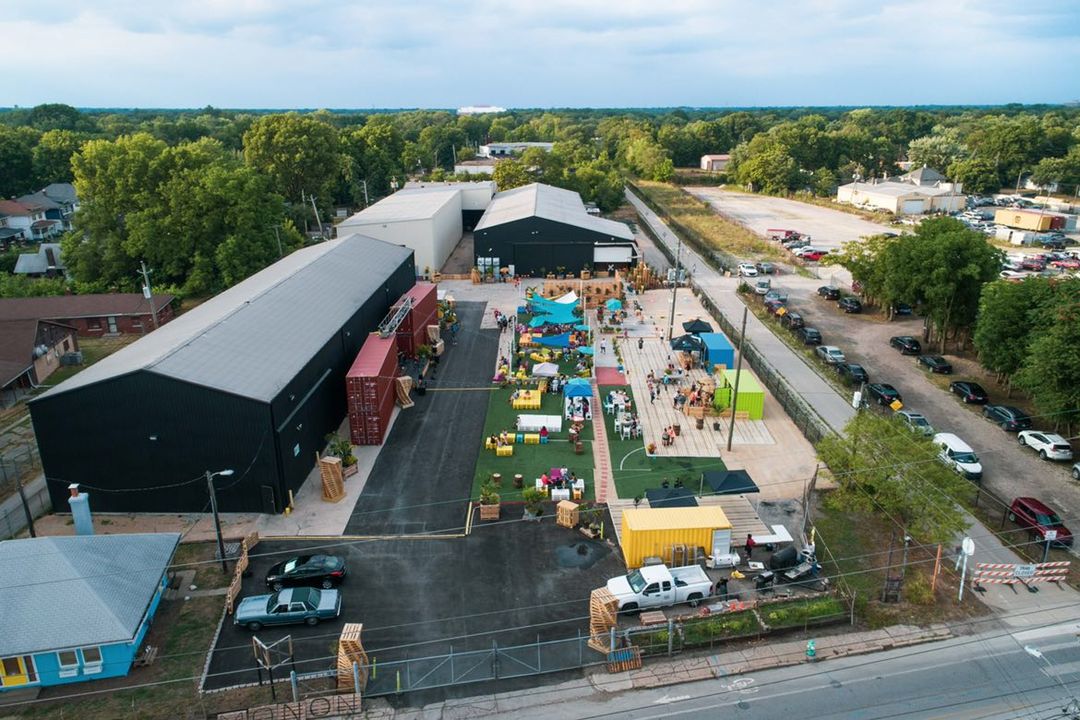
point(288, 607)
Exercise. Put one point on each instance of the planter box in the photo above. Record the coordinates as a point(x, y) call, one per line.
point(489, 512)
point(350, 470)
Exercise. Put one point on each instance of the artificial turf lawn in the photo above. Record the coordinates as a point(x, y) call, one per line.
point(530, 460)
point(635, 472)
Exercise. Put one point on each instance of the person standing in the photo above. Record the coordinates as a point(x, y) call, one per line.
point(640, 343)
point(750, 544)
point(603, 346)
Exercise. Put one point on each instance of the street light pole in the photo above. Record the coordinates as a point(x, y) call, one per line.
point(217, 521)
point(738, 374)
point(674, 287)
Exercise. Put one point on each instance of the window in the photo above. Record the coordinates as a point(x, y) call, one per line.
point(94, 323)
point(69, 663)
point(91, 660)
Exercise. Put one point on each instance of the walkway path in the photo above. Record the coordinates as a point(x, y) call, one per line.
point(602, 476)
point(832, 408)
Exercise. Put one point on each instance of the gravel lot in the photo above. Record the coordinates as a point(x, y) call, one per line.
point(1009, 470)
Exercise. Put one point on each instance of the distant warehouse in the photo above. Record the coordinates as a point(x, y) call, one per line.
point(539, 228)
point(251, 380)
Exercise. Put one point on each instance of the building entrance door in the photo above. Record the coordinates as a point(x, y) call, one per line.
point(14, 671)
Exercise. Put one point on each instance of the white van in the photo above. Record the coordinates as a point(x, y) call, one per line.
point(958, 455)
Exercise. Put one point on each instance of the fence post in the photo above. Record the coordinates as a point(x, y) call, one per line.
point(611, 643)
point(580, 650)
point(670, 635)
point(356, 677)
point(295, 685)
point(453, 677)
point(494, 660)
point(538, 651)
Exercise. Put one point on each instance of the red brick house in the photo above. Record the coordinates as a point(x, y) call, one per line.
point(30, 350)
point(92, 315)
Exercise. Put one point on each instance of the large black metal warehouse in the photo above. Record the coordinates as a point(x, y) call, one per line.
point(251, 380)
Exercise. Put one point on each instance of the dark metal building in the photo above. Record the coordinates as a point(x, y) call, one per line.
point(538, 229)
point(251, 380)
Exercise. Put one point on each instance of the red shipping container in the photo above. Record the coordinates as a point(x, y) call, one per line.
point(412, 332)
point(369, 387)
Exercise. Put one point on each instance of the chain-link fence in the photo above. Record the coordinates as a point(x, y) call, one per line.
point(22, 463)
point(470, 666)
point(13, 516)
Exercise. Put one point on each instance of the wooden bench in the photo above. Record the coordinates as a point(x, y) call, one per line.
point(147, 657)
point(653, 617)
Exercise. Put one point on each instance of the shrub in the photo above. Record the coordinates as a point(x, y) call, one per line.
point(917, 590)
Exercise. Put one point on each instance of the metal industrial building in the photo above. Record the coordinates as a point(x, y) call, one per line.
point(539, 228)
point(251, 380)
point(429, 218)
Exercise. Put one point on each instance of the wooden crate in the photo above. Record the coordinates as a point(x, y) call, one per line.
point(333, 480)
point(624, 659)
point(567, 514)
point(489, 512)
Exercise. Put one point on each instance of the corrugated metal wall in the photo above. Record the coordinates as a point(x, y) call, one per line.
point(535, 243)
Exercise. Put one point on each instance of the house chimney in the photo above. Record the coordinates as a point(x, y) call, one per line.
point(80, 510)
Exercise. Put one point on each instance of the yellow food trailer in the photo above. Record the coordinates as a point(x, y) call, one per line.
point(652, 532)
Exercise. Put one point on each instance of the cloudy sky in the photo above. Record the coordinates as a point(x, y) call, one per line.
point(538, 53)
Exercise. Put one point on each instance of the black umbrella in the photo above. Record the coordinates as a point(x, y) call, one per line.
point(687, 343)
point(697, 326)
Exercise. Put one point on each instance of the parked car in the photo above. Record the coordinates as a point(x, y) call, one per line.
point(958, 455)
point(773, 306)
point(831, 354)
point(1012, 275)
point(659, 586)
point(1011, 419)
point(883, 393)
point(815, 255)
point(1036, 516)
point(1076, 471)
point(850, 305)
point(1032, 263)
point(829, 292)
point(288, 607)
point(906, 344)
point(762, 286)
point(936, 364)
point(1066, 264)
point(325, 571)
point(902, 309)
point(808, 335)
point(916, 422)
point(775, 294)
point(747, 270)
point(969, 392)
point(792, 320)
point(765, 268)
point(1050, 446)
point(852, 374)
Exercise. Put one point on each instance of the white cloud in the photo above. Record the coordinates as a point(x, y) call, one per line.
point(433, 53)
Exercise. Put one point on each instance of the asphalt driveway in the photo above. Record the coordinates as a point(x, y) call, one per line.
point(507, 583)
point(421, 480)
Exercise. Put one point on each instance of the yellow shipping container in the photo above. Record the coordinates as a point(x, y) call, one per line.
point(1023, 219)
point(650, 532)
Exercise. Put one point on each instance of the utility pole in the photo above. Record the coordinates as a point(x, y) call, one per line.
point(280, 252)
point(738, 373)
point(147, 292)
point(22, 496)
point(317, 218)
point(674, 287)
point(217, 521)
point(366, 200)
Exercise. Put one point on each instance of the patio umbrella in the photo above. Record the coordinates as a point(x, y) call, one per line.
point(697, 326)
point(613, 304)
point(687, 343)
point(545, 370)
point(578, 387)
point(581, 327)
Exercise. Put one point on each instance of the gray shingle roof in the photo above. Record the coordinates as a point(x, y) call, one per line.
point(252, 339)
point(61, 193)
point(77, 591)
point(550, 203)
point(39, 262)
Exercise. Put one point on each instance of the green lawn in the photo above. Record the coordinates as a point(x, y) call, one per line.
point(635, 472)
point(530, 460)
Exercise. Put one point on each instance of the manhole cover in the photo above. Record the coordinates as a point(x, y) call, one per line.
point(743, 705)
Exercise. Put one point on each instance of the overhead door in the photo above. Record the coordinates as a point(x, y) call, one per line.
point(604, 254)
point(913, 207)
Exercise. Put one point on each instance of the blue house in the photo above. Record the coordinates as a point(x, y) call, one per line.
point(78, 608)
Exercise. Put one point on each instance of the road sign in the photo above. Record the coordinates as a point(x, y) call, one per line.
point(781, 311)
point(968, 546)
point(1049, 535)
point(896, 405)
point(1024, 571)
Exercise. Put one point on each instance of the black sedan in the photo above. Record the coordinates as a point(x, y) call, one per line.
point(936, 364)
point(808, 336)
point(906, 344)
point(792, 320)
point(325, 571)
point(829, 292)
point(969, 392)
point(901, 309)
point(1011, 419)
point(852, 374)
point(882, 393)
point(850, 305)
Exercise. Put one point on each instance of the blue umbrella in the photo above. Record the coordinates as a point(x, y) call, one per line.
point(581, 327)
point(613, 304)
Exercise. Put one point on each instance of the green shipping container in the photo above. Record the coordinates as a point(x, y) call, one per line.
point(751, 395)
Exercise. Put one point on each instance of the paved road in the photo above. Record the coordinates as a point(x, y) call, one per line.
point(832, 408)
point(827, 228)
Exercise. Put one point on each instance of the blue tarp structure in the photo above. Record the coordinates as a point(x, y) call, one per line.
point(581, 327)
point(613, 304)
point(560, 341)
point(718, 349)
point(578, 387)
point(554, 318)
point(585, 350)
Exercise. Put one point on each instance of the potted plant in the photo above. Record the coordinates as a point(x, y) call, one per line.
point(427, 272)
point(561, 270)
point(342, 448)
point(586, 271)
point(489, 501)
point(650, 449)
point(534, 503)
point(423, 351)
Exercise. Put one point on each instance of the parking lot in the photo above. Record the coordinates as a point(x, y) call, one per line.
point(507, 583)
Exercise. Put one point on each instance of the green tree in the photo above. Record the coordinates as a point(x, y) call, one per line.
point(52, 156)
point(15, 286)
point(16, 160)
point(977, 174)
point(510, 173)
point(882, 467)
point(772, 170)
point(1010, 314)
point(302, 155)
point(57, 116)
point(648, 160)
point(1051, 372)
point(939, 150)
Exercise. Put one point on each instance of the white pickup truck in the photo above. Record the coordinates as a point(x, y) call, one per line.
point(658, 586)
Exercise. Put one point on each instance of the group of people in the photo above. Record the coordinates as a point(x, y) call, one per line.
point(667, 437)
point(577, 407)
point(619, 400)
point(697, 396)
point(629, 423)
point(505, 321)
point(563, 482)
point(506, 437)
